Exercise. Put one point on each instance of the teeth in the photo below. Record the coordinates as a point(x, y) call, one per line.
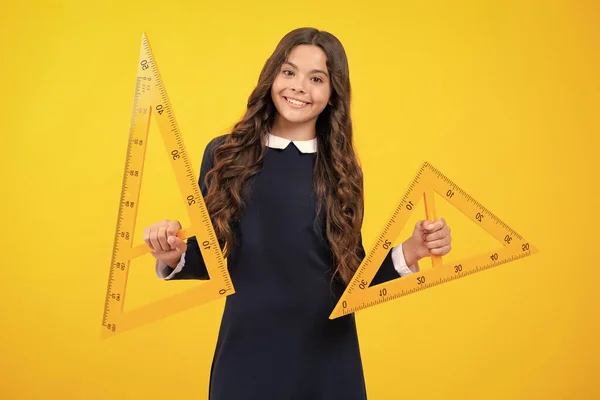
point(296, 102)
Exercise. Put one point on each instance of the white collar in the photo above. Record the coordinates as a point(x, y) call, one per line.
point(278, 142)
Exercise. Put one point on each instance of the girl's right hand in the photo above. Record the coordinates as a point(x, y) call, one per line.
point(166, 247)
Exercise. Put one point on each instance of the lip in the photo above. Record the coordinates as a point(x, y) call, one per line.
point(285, 98)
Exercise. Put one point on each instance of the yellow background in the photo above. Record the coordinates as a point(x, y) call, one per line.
point(502, 98)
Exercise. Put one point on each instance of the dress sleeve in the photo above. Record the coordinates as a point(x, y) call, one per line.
point(191, 264)
point(386, 271)
point(393, 266)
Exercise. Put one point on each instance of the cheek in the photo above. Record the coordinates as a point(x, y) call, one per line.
point(276, 87)
point(275, 94)
point(321, 96)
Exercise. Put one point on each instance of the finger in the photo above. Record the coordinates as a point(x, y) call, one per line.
point(153, 236)
point(441, 250)
point(428, 224)
point(430, 237)
point(442, 222)
point(435, 244)
point(172, 228)
point(420, 226)
point(162, 238)
point(440, 234)
point(437, 225)
point(438, 239)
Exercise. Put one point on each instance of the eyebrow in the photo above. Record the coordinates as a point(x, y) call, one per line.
point(314, 70)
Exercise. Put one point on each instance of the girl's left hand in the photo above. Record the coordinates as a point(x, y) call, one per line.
point(429, 238)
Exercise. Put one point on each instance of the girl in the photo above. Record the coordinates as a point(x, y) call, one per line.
point(285, 193)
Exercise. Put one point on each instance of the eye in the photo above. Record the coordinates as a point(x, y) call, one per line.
point(287, 72)
point(318, 79)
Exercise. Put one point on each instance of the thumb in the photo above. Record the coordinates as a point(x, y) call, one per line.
point(176, 243)
point(420, 227)
point(428, 225)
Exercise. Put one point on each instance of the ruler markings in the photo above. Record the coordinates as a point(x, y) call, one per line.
point(150, 93)
point(358, 295)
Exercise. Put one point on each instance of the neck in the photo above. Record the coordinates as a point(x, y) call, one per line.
point(292, 130)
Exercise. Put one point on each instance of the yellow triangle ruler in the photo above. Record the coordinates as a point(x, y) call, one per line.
point(151, 101)
point(359, 295)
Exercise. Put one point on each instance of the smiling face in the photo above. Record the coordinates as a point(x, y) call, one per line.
point(302, 88)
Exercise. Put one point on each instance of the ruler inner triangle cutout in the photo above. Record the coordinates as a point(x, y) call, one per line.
point(511, 246)
point(151, 102)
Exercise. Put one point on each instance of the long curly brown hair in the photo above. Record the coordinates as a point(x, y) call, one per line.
point(337, 175)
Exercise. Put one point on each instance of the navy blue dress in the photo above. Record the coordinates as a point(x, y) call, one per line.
point(276, 340)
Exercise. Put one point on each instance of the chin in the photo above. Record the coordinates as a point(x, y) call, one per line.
point(295, 118)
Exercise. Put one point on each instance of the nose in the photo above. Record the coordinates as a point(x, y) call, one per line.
point(297, 86)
